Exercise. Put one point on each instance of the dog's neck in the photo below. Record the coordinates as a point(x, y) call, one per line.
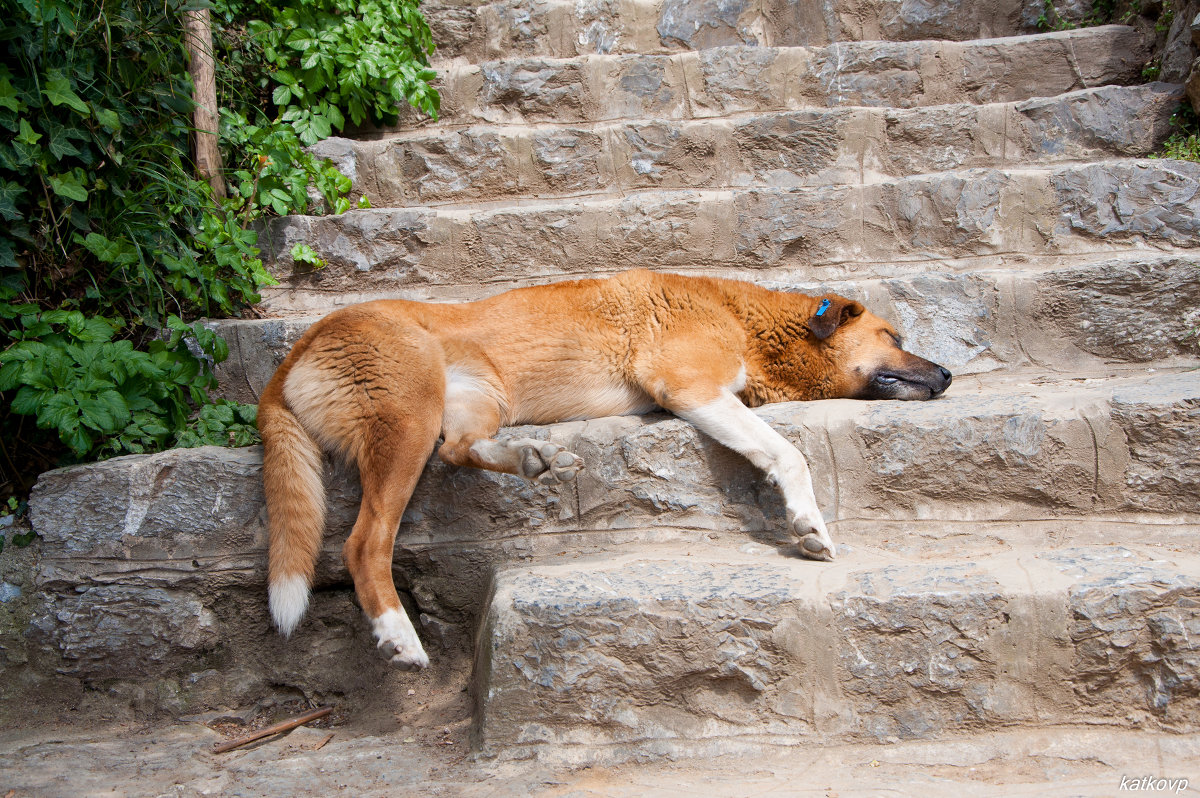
point(784, 360)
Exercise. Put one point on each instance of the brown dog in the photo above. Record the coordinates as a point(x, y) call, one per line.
point(377, 383)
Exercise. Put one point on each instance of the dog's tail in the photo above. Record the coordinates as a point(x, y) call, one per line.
point(295, 493)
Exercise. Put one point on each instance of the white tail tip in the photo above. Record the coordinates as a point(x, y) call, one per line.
point(288, 598)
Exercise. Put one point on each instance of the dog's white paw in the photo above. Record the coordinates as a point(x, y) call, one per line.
point(815, 543)
point(549, 463)
point(398, 640)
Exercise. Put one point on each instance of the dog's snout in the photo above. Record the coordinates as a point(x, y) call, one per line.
point(947, 378)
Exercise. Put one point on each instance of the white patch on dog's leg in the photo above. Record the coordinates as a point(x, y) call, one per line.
point(399, 640)
point(288, 599)
point(730, 422)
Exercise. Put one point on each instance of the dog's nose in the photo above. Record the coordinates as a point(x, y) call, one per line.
point(946, 375)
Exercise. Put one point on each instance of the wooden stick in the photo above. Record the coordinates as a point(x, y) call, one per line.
point(197, 35)
point(278, 728)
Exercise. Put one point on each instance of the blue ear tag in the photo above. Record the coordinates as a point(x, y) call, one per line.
point(824, 307)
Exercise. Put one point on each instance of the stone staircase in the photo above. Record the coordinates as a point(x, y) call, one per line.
point(1019, 553)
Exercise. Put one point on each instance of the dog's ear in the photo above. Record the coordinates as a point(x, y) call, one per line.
point(830, 312)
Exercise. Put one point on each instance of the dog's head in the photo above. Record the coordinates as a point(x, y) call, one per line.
point(866, 351)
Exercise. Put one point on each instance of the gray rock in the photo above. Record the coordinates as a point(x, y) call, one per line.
point(1123, 201)
point(127, 630)
point(660, 654)
point(700, 25)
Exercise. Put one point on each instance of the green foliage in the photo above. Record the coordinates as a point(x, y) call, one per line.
point(12, 510)
point(1101, 12)
point(222, 423)
point(109, 246)
point(329, 60)
point(1184, 143)
point(307, 256)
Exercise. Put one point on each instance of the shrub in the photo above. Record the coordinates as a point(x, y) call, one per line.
point(110, 248)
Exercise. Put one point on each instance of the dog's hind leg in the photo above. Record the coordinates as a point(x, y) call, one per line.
point(389, 469)
point(471, 419)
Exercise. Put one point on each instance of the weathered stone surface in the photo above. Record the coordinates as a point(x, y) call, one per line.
point(1127, 311)
point(256, 348)
point(1130, 201)
point(416, 759)
point(1179, 50)
point(1163, 429)
point(1084, 124)
point(707, 23)
point(726, 80)
point(128, 631)
point(1134, 630)
point(152, 578)
point(882, 229)
point(188, 518)
point(795, 148)
point(478, 31)
point(652, 653)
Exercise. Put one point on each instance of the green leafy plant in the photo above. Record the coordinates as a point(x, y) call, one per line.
point(1184, 143)
point(14, 509)
point(329, 60)
point(110, 247)
point(222, 423)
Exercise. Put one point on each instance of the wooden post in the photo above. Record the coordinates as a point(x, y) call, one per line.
point(197, 29)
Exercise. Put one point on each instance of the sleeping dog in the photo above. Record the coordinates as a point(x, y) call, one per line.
point(378, 384)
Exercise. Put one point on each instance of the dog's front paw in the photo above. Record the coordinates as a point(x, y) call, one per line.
point(815, 543)
point(549, 463)
point(398, 641)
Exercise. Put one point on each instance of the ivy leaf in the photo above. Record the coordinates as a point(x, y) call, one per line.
point(58, 91)
point(60, 146)
point(69, 186)
point(27, 134)
point(9, 194)
point(8, 96)
point(110, 251)
point(281, 96)
point(108, 118)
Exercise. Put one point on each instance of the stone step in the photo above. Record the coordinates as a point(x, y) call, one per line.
point(816, 148)
point(1139, 308)
point(153, 567)
point(705, 651)
point(891, 228)
point(483, 31)
point(729, 80)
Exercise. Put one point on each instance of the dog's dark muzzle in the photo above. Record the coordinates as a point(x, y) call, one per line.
point(924, 381)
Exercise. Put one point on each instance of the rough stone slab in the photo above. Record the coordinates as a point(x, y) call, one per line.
point(824, 233)
point(1062, 762)
point(647, 653)
point(1136, 309)
point(727, 80)
point(166, 553)
point(797, 148)
point(480, 31)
